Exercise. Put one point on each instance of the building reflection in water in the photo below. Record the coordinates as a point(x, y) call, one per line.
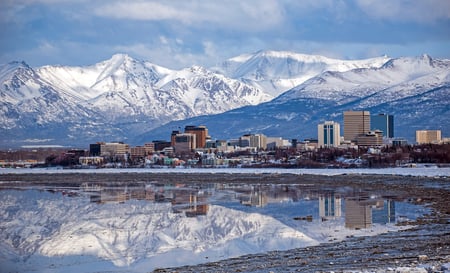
point(384, 212)
point(329, 206)
point(256, 197)
point(362, 212)
point(192, 202)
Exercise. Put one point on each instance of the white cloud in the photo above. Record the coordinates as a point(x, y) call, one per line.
point(140, 10)
point(421, 11)
point(169, 55)
point(163, 40)
point(233, 14)
point(46, 48)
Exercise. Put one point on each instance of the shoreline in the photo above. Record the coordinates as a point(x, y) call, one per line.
point(421, 172)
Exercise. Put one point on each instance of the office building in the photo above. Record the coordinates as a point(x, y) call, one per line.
point(114, 149)
point(160, 145)
point(399, 142)
point(149, 148)
point(185, 143)
point(259, 141)
point(428, 136)
point(384, 123)
point(201, 134)
point(370, 139)
point(95, 149)
point(138, 151)
point(172, 137)
point(329, 134)
point(356, 123)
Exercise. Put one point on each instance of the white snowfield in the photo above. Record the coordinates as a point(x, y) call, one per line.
point(418, 171)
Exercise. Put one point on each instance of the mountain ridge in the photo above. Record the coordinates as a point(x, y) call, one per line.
point(132, 100)
point(415, 90)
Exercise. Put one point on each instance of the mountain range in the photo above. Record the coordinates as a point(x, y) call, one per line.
point(276, 93)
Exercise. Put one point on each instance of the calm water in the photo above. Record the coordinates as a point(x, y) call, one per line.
point(142, 226)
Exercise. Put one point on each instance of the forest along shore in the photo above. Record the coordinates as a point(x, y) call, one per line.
point(428, 243)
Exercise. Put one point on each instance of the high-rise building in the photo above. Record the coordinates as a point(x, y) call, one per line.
point(384, 123)
point(185, 142)
point(356, 123)
point(172, 137)
point(259, 141)
point(329, 134)
point(428, 136)
point(200, 132)
point(244, 141)
point(253, 140)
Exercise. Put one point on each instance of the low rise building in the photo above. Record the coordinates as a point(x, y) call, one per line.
point(138, 151)
point(114, 149)
point(370, 139)
point(428, 136)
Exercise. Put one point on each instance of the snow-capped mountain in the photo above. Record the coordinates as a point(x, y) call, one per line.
point(129, 100)
point(32, 109)
point(110, 99)
point(416, 90)
point(278, 71)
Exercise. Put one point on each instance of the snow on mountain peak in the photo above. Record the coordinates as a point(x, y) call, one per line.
point(6, 70)
point(397, 78)
point(123, 90)
point(278, 71)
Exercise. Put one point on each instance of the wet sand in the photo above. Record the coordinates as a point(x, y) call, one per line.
point(428, 243)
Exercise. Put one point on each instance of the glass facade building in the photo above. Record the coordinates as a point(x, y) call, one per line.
point(384, 123)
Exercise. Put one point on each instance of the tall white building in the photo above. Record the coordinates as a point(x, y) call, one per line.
point(329, 134)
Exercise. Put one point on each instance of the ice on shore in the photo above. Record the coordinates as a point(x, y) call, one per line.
point(420, 171)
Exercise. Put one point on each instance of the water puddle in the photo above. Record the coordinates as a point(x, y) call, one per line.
point(143, 226)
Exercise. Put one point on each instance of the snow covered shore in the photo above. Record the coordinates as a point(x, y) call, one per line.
point(420, 171)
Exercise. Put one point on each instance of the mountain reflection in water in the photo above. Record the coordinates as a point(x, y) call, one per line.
point(153, 224)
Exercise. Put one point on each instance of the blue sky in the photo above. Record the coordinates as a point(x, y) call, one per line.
point(181, 33)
